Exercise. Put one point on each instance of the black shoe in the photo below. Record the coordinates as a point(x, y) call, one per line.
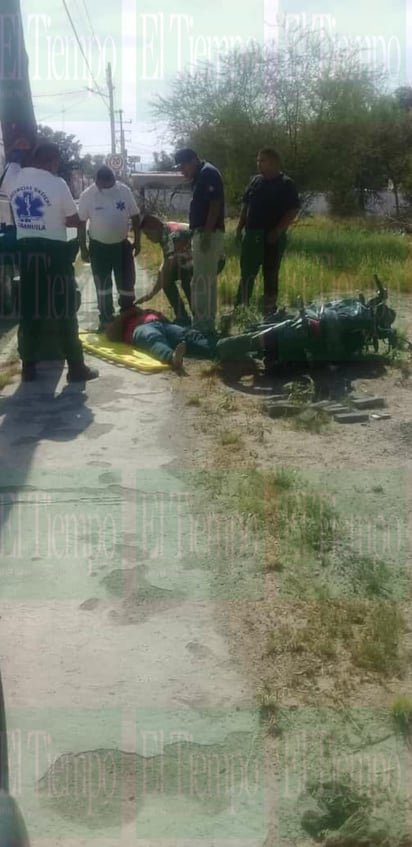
point(81, 373)
point(28, 372)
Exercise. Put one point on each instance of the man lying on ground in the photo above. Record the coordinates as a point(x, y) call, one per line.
point(150, 331)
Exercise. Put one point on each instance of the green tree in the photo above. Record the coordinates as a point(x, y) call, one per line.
point(403, 96)
point(69, 147)
point(306, 98)
point(392, 139)
point(344, 160)
point(91, 162)
point(163, 162)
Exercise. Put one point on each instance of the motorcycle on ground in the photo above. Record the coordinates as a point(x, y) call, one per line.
point(334, 332)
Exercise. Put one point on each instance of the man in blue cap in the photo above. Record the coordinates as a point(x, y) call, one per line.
point(207, 222)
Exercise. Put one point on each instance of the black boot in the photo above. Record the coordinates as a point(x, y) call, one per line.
point(28, 371)
point(80, 372)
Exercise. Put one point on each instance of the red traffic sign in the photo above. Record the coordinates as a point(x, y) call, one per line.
point(115, 162)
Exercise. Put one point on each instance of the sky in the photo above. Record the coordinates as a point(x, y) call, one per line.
point(148, 42)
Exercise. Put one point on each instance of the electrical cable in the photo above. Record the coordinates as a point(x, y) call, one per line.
point(83, 54)
point(59, 93)
point(89, 20)
point(54, 114)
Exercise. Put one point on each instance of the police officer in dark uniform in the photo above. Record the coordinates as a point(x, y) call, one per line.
point(270, 204)
point(207, 222)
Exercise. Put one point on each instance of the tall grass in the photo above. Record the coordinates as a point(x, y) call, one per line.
point(324, 258)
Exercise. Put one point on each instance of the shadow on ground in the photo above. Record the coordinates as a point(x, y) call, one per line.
point(35, 413)
point(332, 382)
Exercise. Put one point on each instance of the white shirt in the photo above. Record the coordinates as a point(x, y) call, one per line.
point(12, 172)
point(41, 202)
point(108, 211)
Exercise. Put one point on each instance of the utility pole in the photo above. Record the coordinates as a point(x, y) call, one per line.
point(16, 105)
point(111, 106)
point(121, 132)
point(123, 151)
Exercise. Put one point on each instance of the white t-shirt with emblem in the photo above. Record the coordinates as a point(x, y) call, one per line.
point(41, 202)
point(108, 211)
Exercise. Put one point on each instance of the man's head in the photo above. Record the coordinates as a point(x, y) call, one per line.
point(105, 178)
point(187, 161)
point(22, 143)
point(114, 331)
point(268, 161)
point(152, 227)
point(46, 156)
point(21, 150)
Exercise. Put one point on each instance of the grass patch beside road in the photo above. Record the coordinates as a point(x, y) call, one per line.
point(340, 770)
point(319, 548)
point(324, 257)
point(327, 257)
point(345, 605)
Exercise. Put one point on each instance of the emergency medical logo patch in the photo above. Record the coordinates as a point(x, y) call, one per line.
point(29, 205)
point(120, 205)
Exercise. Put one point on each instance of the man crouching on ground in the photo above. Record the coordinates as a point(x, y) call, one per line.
point(175, 242)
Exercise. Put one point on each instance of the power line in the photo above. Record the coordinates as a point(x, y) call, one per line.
point(88, 18)
point(96, 146)
point(82, 52)
point(78, 15)
point(59, 93)
point(54, 114)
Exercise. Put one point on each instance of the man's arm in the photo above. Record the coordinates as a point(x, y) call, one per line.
point(137, 234)
point(213, 214)
point(73, 221)
point(243, 212)
point(160, 281)
point(68, 205)
point(134, 215)
point(285, 222)
point(242, 221)
point(216, 194)
point(82, 231)
point(84, 251)
point(292, 208)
